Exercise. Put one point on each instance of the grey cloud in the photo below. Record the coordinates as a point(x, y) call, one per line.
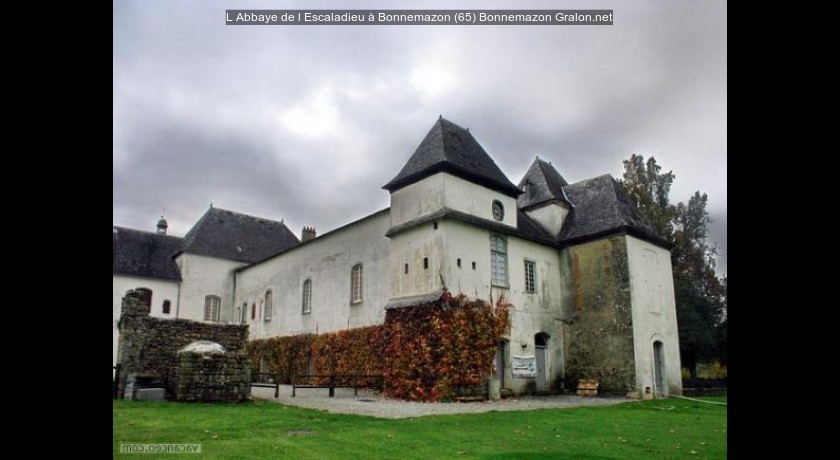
point(201, 109)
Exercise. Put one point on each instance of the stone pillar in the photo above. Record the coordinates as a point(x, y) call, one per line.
point(136, 307)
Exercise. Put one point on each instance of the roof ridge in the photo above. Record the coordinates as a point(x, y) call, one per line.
point(281, 221)
point(147, 232)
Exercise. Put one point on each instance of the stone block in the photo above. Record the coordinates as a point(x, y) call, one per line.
point(149, 394)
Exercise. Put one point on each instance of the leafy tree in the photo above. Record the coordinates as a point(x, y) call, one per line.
point(700, 295)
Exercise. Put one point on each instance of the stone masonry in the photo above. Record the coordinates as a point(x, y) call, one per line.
point(148, 355)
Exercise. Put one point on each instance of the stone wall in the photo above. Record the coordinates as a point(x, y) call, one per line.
point(598, 330)
point(148, 356)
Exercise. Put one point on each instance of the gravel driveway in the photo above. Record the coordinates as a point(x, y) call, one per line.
point(374, 404)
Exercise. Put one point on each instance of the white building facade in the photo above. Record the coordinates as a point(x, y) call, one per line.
point(590, 283)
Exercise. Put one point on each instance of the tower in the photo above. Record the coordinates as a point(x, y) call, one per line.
point(448, 194)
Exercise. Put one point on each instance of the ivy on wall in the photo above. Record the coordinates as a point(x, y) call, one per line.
point(424, 352)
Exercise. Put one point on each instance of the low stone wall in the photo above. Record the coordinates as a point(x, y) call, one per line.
point(148, 356)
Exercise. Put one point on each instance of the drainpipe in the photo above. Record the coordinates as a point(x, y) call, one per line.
point(178, 303)
point(233, 297)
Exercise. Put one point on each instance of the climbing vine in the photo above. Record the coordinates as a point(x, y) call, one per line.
point(424, 353)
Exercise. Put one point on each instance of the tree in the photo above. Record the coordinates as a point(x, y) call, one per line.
point(699, 294)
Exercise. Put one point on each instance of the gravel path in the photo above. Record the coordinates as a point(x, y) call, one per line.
point(374, 404)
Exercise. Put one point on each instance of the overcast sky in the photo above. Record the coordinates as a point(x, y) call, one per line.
point(306, 123)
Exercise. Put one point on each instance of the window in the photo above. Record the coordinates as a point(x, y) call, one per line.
point(307, 296)
point(268, 305)
point(425, 263)
point(406, 269)
point(212, 305)
point(356, 284)
point(498, 261)
point(459, 263)
point(244, 318)
point(167, 305)
point(253, 310)
point(530, 276)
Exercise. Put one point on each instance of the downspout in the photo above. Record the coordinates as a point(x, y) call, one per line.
point(178, 304)
point(233, 297)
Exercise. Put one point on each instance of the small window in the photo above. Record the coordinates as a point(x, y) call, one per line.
point(473, 265)
point(253, 310)
point(425, 263)
point(459, 263)
point(434, 225)
point(498, 261)
point(307, 296)
point(167, 305)
point(268, 305)
point(244, 318)
point(212, 305)
point(406, 269)
point(356, 284)
point(530, 276)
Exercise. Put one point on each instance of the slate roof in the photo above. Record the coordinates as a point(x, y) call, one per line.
point(450, 148)
point(601, 207)
point(541, 184)
point(145, 254)
point(233, 236)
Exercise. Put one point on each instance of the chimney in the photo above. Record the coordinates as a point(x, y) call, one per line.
point(308, 233)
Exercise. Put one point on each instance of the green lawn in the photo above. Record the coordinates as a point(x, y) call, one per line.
point(671, 428)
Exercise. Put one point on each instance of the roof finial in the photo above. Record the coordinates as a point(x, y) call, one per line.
point(162, 225)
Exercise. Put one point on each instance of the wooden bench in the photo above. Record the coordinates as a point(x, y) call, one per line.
point(333, 381)
point(266, 380)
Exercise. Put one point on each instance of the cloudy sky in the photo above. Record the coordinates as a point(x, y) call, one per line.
point(306, 123)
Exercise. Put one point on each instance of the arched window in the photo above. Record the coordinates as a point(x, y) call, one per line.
point(307, 296)
point(498, 261)
point(268, 305)
point(356, 280)
point(212, 307)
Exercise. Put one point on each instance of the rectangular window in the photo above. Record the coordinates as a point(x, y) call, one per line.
point(212, 305)
point(253, 310)
point(356, 284)
point(166, 306)
point(307, 296)
point(425, 263)
point(530, 276)
point(498, 261)
point(244, 317)
point(269, 299)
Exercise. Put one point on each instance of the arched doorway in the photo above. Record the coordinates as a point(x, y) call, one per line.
point(540, 346)
point(659, 370)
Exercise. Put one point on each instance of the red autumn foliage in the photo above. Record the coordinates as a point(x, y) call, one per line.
point(424, 353)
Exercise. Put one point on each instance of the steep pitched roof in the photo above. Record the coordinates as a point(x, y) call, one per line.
point(233, 236)
point(145, 254)
point(450, 148)
point(602, 207)
point(542, 183)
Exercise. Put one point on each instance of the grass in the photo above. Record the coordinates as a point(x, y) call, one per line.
point(671, 428)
